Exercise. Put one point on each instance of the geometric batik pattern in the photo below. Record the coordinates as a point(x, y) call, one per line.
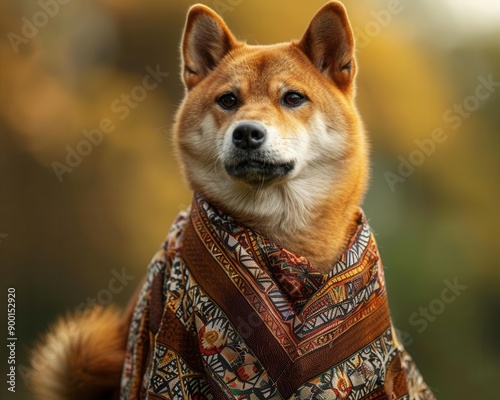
point(356, 377)
point(173, 379)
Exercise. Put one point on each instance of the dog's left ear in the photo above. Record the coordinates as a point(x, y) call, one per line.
point(205, 42)
point(329, 44)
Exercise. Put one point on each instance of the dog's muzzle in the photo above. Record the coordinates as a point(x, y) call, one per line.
point(249, 161)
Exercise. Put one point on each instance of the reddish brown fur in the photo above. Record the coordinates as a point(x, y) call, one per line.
point(81, 357)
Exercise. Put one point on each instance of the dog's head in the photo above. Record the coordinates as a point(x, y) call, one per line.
point(261, 126)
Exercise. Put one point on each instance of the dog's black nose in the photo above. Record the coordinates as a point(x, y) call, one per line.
point(249, 136)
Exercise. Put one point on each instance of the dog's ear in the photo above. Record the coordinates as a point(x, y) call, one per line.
point(205, 42)
point(329, 44)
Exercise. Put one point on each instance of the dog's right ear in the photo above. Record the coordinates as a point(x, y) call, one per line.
point(205, 42)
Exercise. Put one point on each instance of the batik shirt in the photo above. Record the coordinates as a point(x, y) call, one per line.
point(225, 313)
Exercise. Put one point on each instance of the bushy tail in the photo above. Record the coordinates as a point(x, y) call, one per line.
point(81, 357)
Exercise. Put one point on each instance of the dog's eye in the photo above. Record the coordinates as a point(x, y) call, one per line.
point(227, 101)
point(293, 99)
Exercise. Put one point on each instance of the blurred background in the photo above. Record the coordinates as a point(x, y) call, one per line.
point(89, 185)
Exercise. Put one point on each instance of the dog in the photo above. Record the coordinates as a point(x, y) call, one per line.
point(270, 286)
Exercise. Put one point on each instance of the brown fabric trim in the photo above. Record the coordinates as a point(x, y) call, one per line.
point(345, 345)
point(143, 348)
point(378, 394)
point(212, 279)
point(156, 303)
point(173, 334)
point(216, 391)
point(155, 396)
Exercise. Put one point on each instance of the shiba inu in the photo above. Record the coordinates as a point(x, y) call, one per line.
point(270, 286)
